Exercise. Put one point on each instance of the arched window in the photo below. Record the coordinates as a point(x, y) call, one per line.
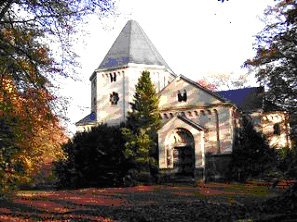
point(189, 114)
point(165, 116)
point(276, 129)
point(114, 77)
point(182, 96)
point(171, 115)
point(179, 96)
point(196, 113)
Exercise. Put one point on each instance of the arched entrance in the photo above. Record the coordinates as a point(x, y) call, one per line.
point(180, 152)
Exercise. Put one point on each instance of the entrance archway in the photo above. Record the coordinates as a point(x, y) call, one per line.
point(180, 152)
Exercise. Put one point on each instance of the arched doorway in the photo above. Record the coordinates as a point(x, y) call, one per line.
point(180, 152)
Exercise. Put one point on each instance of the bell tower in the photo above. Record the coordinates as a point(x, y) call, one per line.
point(113, 82)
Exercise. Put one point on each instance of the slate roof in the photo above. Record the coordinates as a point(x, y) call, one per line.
point(249, 99)
point(87, 120)
point(132, 46)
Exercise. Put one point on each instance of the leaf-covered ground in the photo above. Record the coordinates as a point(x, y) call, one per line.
point(199, 202)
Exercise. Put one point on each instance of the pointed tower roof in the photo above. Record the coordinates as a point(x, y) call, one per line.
point(132, 46)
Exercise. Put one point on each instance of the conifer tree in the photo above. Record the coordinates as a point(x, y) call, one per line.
point(251, 155)
point(142, 125)
point(145, 103)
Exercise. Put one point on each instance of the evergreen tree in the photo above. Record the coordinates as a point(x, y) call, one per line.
point(251, 154)
point(145, 111)
point(142, 125)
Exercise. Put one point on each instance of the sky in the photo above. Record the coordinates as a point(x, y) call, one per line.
point(195, 37)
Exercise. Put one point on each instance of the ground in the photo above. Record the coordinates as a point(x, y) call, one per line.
point(192, 202)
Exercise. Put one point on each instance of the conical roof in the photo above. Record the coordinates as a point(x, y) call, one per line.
point(132, 46)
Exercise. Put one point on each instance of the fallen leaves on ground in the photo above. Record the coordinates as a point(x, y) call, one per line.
point(200, 202)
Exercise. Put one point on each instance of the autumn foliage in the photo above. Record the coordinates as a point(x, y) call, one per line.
point(30, 133)
point(35, 132)
point(207, 85)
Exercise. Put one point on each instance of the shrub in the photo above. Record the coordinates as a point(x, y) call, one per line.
point(94, 158)
point(251, 154)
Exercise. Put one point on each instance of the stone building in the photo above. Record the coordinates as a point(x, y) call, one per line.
point(196, 121)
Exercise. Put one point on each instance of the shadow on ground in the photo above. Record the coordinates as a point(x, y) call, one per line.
point(196, 202)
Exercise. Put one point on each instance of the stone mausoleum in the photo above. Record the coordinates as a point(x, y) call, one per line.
point(196, 121)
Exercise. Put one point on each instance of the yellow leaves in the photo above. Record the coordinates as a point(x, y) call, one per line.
point(37, 131)
point(8, 97)
point(7, 84)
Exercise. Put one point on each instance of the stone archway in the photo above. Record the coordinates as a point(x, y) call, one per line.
point(180, 152)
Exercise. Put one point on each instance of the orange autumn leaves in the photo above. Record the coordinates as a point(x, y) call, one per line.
point(25, 103)
point(36, 129)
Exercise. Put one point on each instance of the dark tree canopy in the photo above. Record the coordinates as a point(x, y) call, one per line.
point(35, 48)
point(276, 50)
point(36, 35)
point(251, 155)
point(94, 158)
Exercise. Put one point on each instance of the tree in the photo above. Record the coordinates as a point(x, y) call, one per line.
point(30, 62)
point(36, 36)
point(145, 110)
point(223, 81)
point(275, 61)
point(94, 158)
point(142, 125)
point(31, 135)
point(203, 82)
point(251, 155)
point(276, 68)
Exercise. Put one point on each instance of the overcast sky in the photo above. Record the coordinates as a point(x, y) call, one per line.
point(195, 37)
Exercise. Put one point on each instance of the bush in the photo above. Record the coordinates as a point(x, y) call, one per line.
point(251, 154)
point(287, 162)
point(94, 158)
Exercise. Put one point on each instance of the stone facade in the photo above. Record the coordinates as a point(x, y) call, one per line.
point(275, 126)
point(121, 84)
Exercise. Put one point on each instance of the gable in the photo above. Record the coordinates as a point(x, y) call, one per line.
point(180, 121)
point(197, 96)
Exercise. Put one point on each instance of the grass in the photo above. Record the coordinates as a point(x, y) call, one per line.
point(199, 202)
